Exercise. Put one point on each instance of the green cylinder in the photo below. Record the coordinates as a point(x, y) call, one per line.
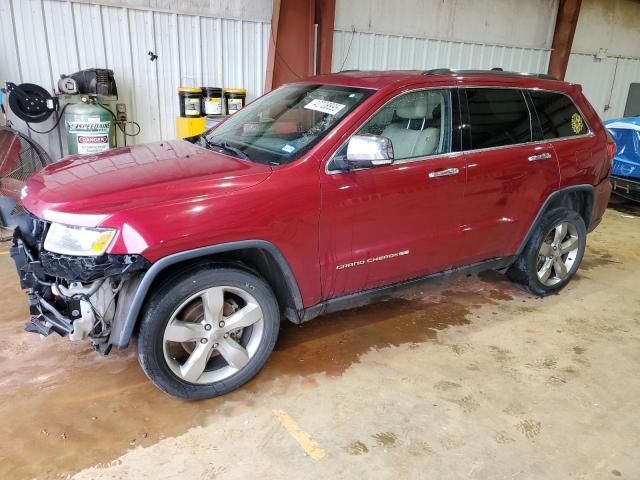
point(90, 128)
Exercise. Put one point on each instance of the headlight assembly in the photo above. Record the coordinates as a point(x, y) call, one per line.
point(79, 241)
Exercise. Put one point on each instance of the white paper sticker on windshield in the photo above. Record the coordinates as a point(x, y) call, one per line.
point(324, 106)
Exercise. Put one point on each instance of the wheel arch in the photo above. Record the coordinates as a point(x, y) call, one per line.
point(577, 197)
point(257, 256)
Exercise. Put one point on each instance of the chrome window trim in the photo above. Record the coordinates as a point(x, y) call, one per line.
point(404, 160)
point(472, 151)
point(401, 162)
point(537, 142)
point(526, 102)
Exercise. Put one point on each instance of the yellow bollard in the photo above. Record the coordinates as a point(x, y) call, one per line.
point(189, 127)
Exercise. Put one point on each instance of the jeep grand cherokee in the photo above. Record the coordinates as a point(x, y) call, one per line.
point(317, 196)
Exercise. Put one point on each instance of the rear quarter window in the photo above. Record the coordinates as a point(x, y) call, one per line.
point(558, 115)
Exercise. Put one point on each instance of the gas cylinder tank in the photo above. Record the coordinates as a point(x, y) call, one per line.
point(90, 128)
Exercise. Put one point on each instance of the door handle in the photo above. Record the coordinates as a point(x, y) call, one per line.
point(541, 156)
point(444, 173)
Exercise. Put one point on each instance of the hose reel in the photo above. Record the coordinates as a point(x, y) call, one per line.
point(30, 102)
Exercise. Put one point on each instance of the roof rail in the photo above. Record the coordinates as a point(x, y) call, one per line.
point(493, 71)
point(439, 71)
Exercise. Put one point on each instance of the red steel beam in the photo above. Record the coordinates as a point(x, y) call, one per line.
point(291, 46)
point(325, 17)
point(566, 22)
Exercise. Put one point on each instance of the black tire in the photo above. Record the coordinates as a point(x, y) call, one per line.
point(524, 271)
point(164, 302)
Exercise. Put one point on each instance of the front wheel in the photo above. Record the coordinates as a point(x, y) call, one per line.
point(207, 331)
point(553, 254)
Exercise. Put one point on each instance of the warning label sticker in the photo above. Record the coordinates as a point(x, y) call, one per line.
point(324, 106)
point(93, 143)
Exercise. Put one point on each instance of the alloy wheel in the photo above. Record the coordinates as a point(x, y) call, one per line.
point(557, 254)
point(213, 334)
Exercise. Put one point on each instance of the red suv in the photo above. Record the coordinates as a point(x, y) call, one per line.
point(317, 196)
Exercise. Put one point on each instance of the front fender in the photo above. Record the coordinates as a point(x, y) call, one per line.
point(137, 294)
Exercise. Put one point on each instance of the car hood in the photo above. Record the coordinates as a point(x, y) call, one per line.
point(85, 190)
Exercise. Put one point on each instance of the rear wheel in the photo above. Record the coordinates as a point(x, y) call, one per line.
point(553, 254)
point(207, 332)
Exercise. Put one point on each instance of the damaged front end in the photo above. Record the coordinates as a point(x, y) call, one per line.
point(78, 296)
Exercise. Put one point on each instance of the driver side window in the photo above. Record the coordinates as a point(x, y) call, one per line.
point(417, 123)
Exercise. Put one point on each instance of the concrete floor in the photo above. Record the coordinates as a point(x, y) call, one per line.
point(470, 378)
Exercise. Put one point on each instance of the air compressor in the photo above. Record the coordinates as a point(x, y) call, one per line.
point(89, 97)
point(90, 127)
point(89, 122)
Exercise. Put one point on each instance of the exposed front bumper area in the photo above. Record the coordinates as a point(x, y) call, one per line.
point(69, 295)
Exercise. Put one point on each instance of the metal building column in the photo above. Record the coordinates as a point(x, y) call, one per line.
point(325, 18)
point(293, 49)
point(566, 22)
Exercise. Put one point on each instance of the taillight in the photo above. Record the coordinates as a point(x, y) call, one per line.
point(611, 150)
point(611, 147)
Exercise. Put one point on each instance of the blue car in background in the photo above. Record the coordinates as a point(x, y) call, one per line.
point(625, 172)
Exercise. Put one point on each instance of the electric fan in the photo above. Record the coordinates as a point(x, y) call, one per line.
point(20, 157)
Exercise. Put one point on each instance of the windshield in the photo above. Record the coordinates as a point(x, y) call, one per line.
point(281, 126)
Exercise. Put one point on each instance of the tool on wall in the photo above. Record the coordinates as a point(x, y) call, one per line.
point(31, 102)
point(88, 112)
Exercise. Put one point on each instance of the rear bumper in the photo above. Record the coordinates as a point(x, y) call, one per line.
point(626, 187)
point(601, 195)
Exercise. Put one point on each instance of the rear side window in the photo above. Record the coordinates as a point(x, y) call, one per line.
point(497, 117)
point(558, 115)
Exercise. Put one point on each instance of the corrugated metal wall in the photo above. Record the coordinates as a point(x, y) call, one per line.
point(41, 39)
point(604, 82)
point(378, 51)
point(609, 29)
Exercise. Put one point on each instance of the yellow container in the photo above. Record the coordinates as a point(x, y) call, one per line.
point(190, 102)
point(212, 101)
point(189, 127)
point(234, 99)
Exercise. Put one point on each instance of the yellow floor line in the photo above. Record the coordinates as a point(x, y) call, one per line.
point(307, 443)
point(4, 253)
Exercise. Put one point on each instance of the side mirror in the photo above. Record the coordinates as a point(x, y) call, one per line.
point(366, 151)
